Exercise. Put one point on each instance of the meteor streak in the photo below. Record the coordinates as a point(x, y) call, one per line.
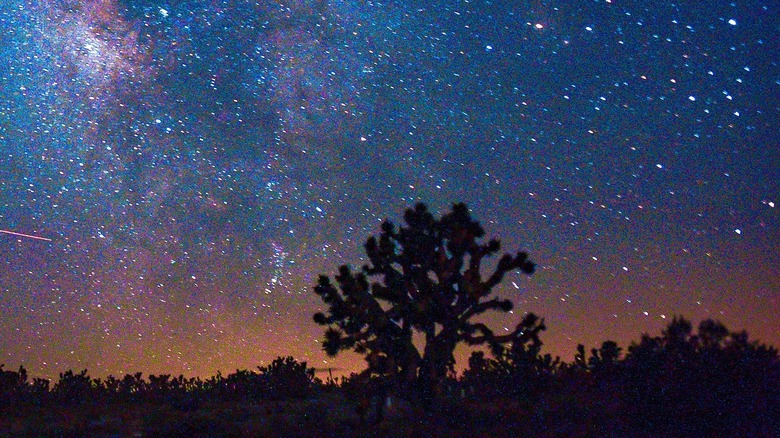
point(25, 235)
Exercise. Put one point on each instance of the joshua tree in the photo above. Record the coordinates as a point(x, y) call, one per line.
point(429, 281)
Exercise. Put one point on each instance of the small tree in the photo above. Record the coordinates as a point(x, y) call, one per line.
point(429, 282)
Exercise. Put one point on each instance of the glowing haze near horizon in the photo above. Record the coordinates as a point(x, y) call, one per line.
point(197, 164)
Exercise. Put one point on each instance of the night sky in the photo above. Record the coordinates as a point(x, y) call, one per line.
point(198, 164)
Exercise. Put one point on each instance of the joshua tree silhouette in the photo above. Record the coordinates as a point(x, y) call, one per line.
point(429, 282)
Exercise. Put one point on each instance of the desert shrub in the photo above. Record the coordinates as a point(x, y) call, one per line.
point(13, 385)
point(711, 383)
point(74, 388)
point(287, 378)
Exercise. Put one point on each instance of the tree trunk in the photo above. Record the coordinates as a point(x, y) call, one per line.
point(435, 364)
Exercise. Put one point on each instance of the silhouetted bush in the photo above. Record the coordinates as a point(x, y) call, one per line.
point(287, 378)
point(75, 388)
point(241, 385)
point(713, 383)
point(13, 385)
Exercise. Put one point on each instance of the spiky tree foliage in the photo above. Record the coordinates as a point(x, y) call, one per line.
point(520, 371)
point(429, 281)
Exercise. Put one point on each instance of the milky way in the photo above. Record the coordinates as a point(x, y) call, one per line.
point(197, 164)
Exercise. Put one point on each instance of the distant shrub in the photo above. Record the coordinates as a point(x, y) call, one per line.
point(287, 378)
point(74, 388)
point(13, 385)
point(714, 382)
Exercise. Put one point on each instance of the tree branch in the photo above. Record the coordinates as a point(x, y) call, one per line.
point(480, 308)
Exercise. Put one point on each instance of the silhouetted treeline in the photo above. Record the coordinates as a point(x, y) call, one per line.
point(711, 382)
point(284, 378)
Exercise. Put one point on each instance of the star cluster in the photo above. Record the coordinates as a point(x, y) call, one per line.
point(197, 164)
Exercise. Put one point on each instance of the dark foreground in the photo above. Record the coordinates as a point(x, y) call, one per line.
point(330, 415)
